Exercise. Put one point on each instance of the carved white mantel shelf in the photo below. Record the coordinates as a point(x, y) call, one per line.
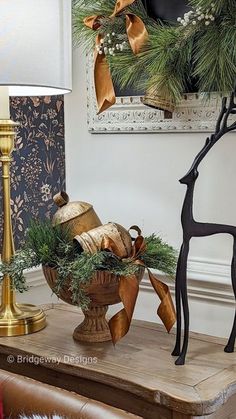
point(130, 115)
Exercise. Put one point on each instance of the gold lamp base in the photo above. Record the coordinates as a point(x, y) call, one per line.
point(15, 319)
point(25, 319)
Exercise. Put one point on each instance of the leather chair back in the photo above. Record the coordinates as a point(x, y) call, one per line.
point(24, 395)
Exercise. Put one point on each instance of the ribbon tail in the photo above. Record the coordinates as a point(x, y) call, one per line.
point(166, 310)
point(104, 88)
point(136, 32)
point(119, 324)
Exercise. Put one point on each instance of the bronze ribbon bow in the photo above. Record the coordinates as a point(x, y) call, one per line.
point(137, 34)
point(119, 324)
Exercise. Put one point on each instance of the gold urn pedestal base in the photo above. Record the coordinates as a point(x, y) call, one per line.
point(94, 327)
point(21, 319)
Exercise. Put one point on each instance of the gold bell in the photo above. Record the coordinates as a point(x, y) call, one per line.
point(155, 100)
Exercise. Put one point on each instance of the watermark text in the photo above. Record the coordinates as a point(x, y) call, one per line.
point(37, 360)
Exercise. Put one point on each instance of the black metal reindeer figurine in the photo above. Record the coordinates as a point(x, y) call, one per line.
point(192, 228)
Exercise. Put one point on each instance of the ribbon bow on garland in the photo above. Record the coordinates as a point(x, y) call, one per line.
point(137, 35)
point(119, 324)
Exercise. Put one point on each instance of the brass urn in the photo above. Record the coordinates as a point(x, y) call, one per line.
point(103, 288)
point(103, 291)
point(78, 216)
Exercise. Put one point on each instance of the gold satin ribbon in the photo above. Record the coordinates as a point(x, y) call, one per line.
point(119, 324)
point(137, 35)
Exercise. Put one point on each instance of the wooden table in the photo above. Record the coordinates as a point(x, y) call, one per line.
point(138, 375)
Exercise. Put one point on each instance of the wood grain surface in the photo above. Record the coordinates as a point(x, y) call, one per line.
point(138, 374)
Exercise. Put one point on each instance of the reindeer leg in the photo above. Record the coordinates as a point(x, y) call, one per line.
point(231, 342)
point(184, 296)
point(176, 351)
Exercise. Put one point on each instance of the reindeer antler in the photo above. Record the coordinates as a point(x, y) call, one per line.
point(222, 123)
point(222, 128)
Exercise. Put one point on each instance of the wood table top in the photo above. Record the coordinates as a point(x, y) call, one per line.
point(141, 363)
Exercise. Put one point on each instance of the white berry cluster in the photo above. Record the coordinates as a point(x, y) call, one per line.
point(195, 16)
point(109, 45)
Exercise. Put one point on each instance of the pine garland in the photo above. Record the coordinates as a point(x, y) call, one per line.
point(201, 46)
point(52, 246)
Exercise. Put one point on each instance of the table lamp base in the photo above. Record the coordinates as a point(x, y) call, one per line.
point(21, 319)
point(15, 319)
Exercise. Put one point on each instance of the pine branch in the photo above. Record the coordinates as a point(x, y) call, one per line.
point(21, 261)
point(48, 242)
point(163, 67)
point(138, 9)
point(215, 58)
point(219, 5)
point(159, 255)
point(81, 272)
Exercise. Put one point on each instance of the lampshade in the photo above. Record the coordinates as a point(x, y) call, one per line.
point(35, 47)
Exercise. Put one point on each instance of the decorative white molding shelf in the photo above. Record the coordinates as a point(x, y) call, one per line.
point(208, 281)
point(130, 115)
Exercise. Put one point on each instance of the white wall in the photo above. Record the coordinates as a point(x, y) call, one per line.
point(133, 179)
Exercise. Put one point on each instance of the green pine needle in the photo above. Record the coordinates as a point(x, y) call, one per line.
point(215, 58)
point(159, 255)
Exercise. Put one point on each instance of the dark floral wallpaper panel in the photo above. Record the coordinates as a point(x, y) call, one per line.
point(38, 167)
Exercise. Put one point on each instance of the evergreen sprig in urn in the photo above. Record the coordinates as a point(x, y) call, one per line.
point(93, 266)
